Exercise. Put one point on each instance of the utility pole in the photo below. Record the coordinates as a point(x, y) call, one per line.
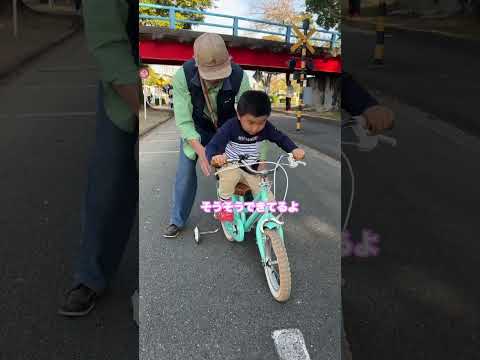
point(288, 104)
point(15, 18)
point(380, 42)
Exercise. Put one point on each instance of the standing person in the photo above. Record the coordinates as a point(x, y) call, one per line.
point(111, 197)
point(205, 90)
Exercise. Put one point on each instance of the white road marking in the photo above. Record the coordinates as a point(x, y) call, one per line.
point(159, 141)
point(53, 86)
point(290, 344)
point(55, 115)
point(68, 68)
point(347, 28)
point(159, 152)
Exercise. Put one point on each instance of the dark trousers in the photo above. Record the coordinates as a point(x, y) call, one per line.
point(354, 7)
point(110, 203)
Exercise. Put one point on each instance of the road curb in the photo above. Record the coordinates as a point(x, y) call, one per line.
point(407, 29)
point(10, 68)
point(150, 128)
point(321, 119)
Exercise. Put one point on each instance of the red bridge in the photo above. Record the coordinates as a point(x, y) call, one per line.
point(160, 45)
point(174, 47)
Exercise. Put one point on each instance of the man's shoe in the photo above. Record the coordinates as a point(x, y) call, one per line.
point(172, 231)
point(79, 301)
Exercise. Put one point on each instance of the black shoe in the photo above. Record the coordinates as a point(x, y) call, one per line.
point(79, 301)
point(172, 231)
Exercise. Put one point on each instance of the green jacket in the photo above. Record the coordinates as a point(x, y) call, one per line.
point(107, 39)
point(182, 107)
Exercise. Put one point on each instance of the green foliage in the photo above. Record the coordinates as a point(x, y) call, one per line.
point(189, 4)
point(328, 11)
point(155, 79)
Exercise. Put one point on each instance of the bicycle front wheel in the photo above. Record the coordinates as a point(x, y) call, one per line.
point(277, 267)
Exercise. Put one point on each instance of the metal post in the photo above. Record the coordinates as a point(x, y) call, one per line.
point(235, 26)
point(288, 98)
point(144, 101)
point(306, 25)
point(15, 18)
point(171, 13)
point(379, 46)
point(288, 34)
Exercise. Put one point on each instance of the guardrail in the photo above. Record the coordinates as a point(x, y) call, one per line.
point(333, 41)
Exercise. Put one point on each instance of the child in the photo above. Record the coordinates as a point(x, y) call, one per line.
point(242, 136)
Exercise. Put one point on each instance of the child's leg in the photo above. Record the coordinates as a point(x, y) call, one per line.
point(253, 182)
point(227, 181)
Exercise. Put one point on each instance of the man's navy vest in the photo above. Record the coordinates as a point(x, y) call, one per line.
point(225, 99)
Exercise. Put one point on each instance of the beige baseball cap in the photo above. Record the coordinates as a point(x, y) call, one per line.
point(212, 57)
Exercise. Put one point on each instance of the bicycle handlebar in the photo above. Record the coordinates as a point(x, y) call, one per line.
point(366, 141)
point(292, 163)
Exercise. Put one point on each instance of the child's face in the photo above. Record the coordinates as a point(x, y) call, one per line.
point(252, 124)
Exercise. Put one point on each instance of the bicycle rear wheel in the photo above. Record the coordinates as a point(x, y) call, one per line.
point(277, 267)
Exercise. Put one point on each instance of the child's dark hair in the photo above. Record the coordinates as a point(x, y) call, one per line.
point(254, 102)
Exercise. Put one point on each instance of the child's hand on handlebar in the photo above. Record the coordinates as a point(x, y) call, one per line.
point(298, 154)
point(219, 160)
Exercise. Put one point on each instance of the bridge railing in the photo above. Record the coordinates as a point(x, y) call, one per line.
point(331, 39)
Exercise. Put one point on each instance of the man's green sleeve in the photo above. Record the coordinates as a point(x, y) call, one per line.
point(182, 107)
point(108, 41)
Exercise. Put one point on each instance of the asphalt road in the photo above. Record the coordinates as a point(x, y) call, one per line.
point(211, 301)
point(434, 73)
point(322, 136)
point(419, 298)
point(47, 115)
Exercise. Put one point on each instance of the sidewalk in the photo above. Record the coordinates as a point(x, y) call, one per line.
point(329, 117)
point(37, 33)
point(154, 118)
point(460, 27)
point(60, 7)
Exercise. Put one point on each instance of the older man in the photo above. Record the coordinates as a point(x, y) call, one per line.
point(205, 90)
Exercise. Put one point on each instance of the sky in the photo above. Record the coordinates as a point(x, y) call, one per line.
point(233, 8)
point(236, 8)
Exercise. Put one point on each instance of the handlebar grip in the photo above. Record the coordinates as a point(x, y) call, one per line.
point(387, 140)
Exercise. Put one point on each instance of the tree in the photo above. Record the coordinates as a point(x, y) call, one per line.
point(189, 4)
point(281, 11)
point(154, 79)
point(328, 11)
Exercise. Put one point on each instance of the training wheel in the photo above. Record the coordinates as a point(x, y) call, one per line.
point(196, 235)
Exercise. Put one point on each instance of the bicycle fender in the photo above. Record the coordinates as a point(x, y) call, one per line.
point(267, 223)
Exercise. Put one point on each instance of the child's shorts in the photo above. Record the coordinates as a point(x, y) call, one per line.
point(230, 178)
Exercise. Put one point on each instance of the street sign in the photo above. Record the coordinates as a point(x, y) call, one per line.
point(303, 39)
point(144, 73)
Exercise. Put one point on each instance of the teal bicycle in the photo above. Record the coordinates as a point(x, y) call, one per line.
point(268, 227)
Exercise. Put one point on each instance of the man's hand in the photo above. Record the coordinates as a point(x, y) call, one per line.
point(130, 94)
point(202, 157)
point(298, 154)
point(379, 118)
point(219, 160)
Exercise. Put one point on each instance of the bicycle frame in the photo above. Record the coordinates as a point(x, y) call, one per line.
point(262, 220)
